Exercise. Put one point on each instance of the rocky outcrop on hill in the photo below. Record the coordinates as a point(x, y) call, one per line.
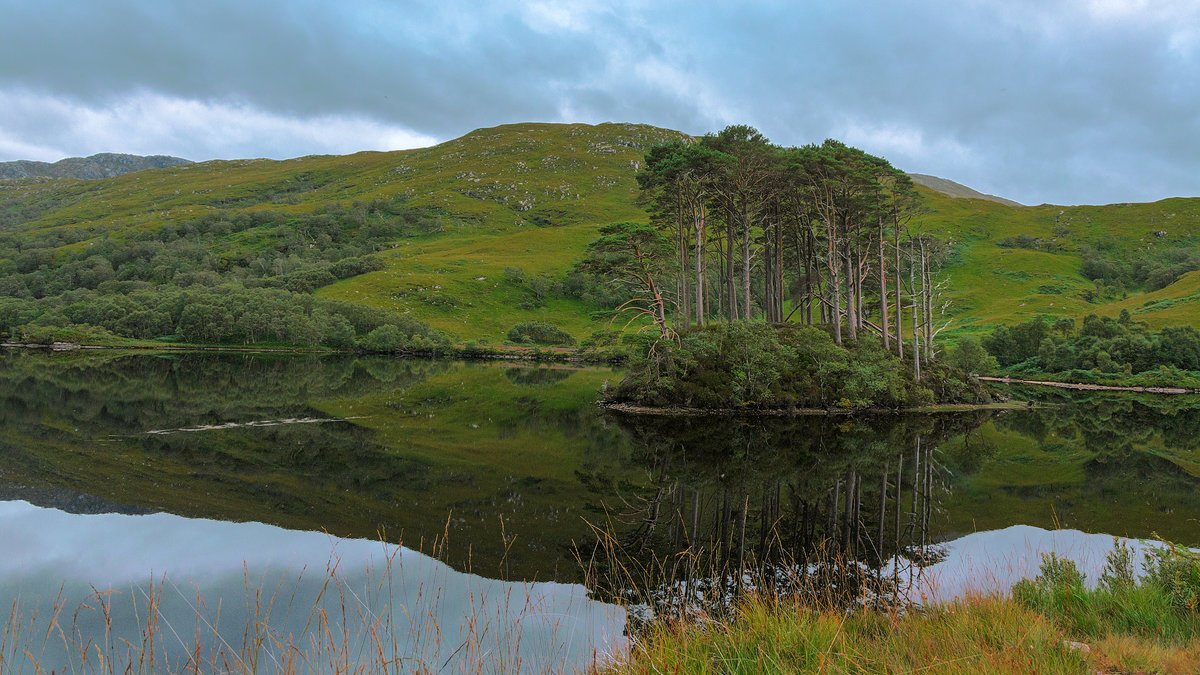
point(103, 165)
point(952, 189)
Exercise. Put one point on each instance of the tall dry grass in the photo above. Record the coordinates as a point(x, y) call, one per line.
point(348, 627)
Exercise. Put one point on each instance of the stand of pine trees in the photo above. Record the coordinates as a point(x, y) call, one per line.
point(815, 234)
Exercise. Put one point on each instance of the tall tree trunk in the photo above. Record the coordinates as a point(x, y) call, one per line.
point(883, 300)
point(916, 326)
point(780, 286)
point(768, 277)
point(851, 309)
point(800, 297)
point(685, 297)
point(700, 263)
point(732, 290)
point(835, 283)
point(746, 263)
point(899, 307)
point(927, 302)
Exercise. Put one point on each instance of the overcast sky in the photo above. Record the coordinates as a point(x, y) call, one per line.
point(1079, 101)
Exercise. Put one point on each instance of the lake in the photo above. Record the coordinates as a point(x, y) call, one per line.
point(279, 509)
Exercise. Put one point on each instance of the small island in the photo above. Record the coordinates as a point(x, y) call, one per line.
point(788, 368)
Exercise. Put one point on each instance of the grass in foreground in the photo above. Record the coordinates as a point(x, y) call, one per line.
point(1128, 626)
point(977, 635)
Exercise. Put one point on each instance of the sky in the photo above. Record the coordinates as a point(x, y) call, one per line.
point(1065, 102)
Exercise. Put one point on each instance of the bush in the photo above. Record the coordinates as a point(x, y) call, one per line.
point(385, 339)
point(1176, 570)
point(1163, 605)
point(541, 333)
point(969, 356)
point(758, 365)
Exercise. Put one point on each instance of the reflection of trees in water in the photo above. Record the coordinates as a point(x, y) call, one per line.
point(834, 509)
point(63, 412)
point(536, 376)
point(132, 394)
point(1133, 453)
point(1107, 421)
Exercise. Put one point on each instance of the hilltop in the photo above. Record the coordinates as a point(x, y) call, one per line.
point(103, 165)
point(952, 189)
point(497, 217)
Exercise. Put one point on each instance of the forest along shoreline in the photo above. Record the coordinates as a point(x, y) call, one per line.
point(466, 352)
point(673, 411)
point(575, 356)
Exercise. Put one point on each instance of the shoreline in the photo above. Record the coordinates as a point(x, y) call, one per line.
point(474, 353)
point(631, 409)
point(1174, 391)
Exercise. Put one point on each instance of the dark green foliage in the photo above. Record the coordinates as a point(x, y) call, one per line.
point(1103, 343)
point(225, 313)
point(969, 356)
point(1164, 604)
point(1014, 344)
point(1150, 268)
point(757, 365)
point(1029, 242)
point(226, 277)
point(1176, 571)
point(539, 333)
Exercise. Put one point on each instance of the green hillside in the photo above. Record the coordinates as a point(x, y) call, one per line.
point(493, 220)
point(990, 282)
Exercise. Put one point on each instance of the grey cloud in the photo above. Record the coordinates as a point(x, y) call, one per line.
point(1034, 101)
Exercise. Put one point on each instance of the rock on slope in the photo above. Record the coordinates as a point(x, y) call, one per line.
point(103, 165)
point(952, 189)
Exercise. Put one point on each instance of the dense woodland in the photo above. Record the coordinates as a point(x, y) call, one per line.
point(1099, 345)
point(244, 278)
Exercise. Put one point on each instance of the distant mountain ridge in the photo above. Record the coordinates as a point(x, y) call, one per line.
point(103, 165)
point(952, 189)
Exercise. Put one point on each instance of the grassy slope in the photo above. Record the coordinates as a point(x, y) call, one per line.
point(532, 196)
point(990, 285)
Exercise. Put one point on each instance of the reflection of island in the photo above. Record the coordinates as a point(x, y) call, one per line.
point(871, 510)
point(838, 509)
point(234, 593)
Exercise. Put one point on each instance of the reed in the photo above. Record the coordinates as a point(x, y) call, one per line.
point(348, 627)
point(1055, 623)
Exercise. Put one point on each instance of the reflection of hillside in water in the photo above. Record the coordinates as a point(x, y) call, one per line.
point(1122, 465)
point(513, 462)
point(486, 455)
point(833, 508)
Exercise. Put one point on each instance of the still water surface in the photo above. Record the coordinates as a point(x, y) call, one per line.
point(494, 506)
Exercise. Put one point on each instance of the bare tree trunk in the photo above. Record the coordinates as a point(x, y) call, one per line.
point(732, 290)
point(800, 297)
point(883, 300)
point(681, 283)
point(851, 309)
point(927, 303)
point(916, 326)
point(700, 264)
point(768, 277)
point(780, 286)
point(835, 283)
point(899, 312)
point(746, 263)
